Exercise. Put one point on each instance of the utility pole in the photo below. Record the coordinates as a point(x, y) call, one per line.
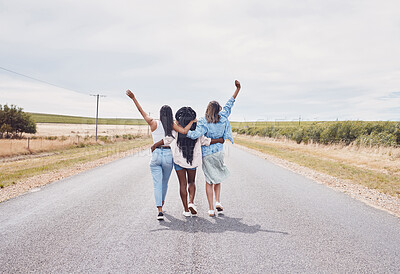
point(97, 109)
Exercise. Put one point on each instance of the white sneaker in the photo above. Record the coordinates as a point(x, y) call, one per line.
point(193, 209)
point(186, 214)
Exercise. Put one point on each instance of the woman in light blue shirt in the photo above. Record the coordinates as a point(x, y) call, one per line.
point(215, 125)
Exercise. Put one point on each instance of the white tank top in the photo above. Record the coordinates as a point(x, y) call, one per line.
point(159, 133)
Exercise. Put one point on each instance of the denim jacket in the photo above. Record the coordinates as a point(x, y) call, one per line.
point(214, 131)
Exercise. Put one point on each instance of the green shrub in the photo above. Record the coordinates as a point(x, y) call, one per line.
point(103, 139)
point(347, 132)
point(298, 135)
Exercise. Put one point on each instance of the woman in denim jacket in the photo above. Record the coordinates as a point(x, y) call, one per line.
point(161, 160)
point(215, 125)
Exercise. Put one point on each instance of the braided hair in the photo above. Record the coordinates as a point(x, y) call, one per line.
point(186, 145)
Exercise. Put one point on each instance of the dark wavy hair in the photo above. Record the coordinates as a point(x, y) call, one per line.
point(184, 115)
point(212, 112)
point(166, 119)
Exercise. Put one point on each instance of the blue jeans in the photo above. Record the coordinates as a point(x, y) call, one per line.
point(161, 167)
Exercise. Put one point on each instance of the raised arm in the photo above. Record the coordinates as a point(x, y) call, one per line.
point(227, 109)
point(237, 84)
point(182, 130)
point(152, 123)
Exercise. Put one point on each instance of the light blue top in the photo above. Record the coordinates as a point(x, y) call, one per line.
point(214, 131)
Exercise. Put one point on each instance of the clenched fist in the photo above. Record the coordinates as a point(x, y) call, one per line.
point(130, 94)
point(237, 84)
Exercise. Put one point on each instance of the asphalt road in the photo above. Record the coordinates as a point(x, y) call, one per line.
point(104, 221)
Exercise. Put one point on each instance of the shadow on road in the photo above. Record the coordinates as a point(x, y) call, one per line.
point(222, 224)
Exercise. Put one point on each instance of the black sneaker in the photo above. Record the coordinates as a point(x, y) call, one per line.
point(160, 216)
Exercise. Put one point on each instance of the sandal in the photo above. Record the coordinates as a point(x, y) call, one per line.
point(192, 209)
point(211, 213)
point(219, 207)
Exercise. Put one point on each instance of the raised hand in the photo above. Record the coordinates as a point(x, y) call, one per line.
point(237, 84)
point(130, 94)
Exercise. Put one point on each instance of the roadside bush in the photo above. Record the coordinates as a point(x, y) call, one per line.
point(374, 139)
point(104, 139)
point(346, 132)
point(313, 133)
point(298, 135)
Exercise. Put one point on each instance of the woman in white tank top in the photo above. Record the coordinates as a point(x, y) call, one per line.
point(161, 161)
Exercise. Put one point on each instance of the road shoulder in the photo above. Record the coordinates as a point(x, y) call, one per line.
point(369, 196)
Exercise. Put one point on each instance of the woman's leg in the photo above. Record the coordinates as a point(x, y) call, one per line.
point(167, 164)
point(183, 187)
point(156, 173)
point(192, 186)
point(217, 190)
point(210, 198)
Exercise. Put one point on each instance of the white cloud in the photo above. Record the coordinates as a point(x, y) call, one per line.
point(326, 59)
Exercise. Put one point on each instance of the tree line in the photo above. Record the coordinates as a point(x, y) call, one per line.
point(14, 122)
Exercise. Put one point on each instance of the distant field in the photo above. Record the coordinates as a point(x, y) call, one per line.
point(64, 119)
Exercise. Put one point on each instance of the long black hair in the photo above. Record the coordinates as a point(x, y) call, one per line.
point(166, 119)
point(184, 115)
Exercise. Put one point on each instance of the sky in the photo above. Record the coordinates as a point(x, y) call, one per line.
point(318, 60)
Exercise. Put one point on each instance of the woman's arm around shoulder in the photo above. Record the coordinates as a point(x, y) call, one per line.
point(152, 123)
point(182, 130)
point(200, 130)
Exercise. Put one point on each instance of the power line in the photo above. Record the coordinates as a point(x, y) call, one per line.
point(36, 79)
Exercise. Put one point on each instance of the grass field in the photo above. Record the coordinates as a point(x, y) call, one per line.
point(64, 119)
point(15, 171)
point(15, 147)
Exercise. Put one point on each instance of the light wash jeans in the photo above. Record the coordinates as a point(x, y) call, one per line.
point(161, 166)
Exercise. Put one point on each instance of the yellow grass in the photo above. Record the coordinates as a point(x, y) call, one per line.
point(13, 172)
point(17, 147)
